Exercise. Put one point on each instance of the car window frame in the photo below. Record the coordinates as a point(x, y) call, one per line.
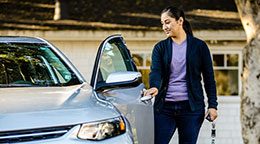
point(101, 48)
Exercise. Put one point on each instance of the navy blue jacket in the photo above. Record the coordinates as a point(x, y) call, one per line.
point(198, 61)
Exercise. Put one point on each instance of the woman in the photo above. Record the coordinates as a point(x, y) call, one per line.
point(175, 81)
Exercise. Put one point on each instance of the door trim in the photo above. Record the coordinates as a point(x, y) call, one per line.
point(93, 82)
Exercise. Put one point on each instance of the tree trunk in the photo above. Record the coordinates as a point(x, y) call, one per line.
point(61, 10)
point(249, 12)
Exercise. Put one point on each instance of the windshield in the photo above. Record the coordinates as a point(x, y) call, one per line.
point(33, 64)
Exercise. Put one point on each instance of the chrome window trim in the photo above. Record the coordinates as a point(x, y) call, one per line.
point(19, 39)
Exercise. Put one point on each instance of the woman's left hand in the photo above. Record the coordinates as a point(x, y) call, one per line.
point(212, 113)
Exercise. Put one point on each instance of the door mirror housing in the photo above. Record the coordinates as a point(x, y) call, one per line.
point(121, 79)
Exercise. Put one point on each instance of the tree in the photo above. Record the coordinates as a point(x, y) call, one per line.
point(61, 10)
point(249, 12)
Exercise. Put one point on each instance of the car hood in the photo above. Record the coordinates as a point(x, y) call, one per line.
point(35, 107)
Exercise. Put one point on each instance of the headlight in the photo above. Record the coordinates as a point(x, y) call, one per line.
point(102, 129)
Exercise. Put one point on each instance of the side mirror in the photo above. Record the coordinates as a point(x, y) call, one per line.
point(121, 79)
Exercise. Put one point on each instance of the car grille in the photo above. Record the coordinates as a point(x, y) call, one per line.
point(33, 134)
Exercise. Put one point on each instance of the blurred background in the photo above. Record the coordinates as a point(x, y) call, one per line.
point(77, 28)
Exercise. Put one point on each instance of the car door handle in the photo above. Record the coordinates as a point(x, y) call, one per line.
point(146, 98)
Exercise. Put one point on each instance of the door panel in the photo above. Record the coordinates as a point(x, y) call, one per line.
point(113, 56)
point(139, 114)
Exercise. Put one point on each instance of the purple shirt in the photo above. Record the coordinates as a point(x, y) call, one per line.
point(177, 88)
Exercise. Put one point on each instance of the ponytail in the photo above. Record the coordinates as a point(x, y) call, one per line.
point(187, 27)
point(176, 13)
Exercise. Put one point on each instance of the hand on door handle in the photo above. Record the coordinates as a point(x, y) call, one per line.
point(151, 91)
point(146, 98)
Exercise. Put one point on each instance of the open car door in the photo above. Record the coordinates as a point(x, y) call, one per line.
point(115, 79)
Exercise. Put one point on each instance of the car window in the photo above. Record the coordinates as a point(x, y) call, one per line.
point(114, 59)
point(33, 64)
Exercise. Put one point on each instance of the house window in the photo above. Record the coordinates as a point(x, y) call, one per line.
point(226, 68)
point(143, 63)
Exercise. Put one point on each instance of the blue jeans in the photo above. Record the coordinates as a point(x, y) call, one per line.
point(177, 115)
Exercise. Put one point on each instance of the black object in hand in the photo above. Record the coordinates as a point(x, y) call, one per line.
point(208, 118)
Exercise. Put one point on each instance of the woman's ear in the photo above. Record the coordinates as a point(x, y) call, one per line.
point(180, 21)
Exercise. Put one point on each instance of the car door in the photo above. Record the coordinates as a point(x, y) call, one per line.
point(113, 57)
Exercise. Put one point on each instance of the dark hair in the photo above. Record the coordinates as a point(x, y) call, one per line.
point(176, 13)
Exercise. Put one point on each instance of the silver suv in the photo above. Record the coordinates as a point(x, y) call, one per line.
point(44, 99)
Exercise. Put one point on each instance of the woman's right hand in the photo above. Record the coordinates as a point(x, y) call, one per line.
point(152, 91)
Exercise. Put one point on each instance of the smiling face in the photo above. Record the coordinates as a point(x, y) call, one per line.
point(170, 25)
